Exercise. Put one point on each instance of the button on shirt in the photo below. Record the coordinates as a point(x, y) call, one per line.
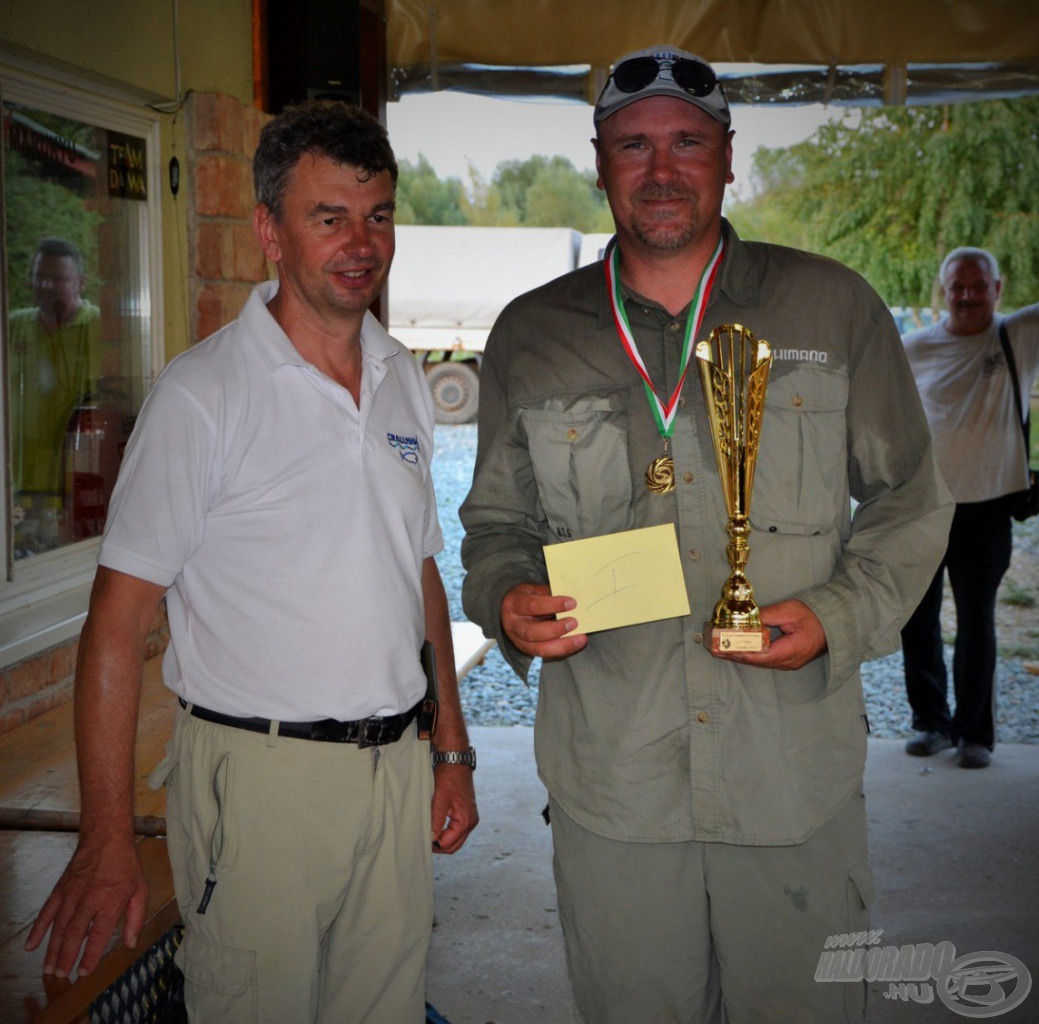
point(289, 523)
point(643, 735)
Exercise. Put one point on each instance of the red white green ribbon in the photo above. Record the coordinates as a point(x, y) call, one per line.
point(663, 412)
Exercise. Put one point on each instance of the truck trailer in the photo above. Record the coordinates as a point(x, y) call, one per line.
point(448, 285)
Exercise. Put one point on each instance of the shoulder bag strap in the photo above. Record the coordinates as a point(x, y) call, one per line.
point(1004, 340)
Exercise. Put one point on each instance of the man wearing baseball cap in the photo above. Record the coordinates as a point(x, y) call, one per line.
point(707, 810)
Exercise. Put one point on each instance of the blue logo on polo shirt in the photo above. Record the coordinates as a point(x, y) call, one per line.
point(407, 447)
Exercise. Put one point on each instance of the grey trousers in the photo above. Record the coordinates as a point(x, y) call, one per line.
point(677, 932)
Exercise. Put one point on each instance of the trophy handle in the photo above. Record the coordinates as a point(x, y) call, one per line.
point(717, 391)
point(754, 410)
point(734, 370)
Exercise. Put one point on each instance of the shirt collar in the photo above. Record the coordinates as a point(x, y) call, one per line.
point(739, 277)
point(273, 346)
point(741, 274)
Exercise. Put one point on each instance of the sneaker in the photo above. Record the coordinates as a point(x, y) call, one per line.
point(972, 755)
point(926, 743)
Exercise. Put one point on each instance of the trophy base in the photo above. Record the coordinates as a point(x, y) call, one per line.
point(730, 640)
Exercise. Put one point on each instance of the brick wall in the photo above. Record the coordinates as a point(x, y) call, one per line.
point(225, 261)
point(37, 684)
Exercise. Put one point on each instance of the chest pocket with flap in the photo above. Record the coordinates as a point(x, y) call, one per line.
point(802, 463)
point(580, 460)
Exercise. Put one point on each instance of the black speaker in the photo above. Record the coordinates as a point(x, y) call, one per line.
point(313, 51)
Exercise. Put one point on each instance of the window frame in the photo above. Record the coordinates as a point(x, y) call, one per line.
point(43, 600)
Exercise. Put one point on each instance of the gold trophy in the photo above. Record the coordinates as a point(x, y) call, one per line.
point(734, 370)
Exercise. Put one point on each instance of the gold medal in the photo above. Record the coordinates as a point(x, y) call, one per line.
point(660, 477)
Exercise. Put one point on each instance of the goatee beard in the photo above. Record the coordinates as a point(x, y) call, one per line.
point(670, 234)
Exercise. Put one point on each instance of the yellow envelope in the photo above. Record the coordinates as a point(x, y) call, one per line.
point(620, 579)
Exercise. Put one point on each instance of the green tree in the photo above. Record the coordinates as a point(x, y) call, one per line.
point(514, 178)
point(485, 205)
point(551, 192)
point(425, 198)
point(777, 175)
point(540, 191)
point(891, 191)
point(563, 197)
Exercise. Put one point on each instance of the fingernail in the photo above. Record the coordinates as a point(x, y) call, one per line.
point(569, 604)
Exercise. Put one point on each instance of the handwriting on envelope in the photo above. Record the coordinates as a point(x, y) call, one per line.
point(620, 579)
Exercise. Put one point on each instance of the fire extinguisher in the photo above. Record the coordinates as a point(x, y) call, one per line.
point(95, 439)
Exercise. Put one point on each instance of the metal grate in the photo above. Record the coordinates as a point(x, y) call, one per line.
point(150, 992)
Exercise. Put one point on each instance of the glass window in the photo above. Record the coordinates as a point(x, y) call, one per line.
point(78, 339)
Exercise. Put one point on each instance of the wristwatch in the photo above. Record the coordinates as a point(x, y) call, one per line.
point(466, 757)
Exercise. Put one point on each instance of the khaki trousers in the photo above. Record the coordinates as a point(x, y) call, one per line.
point(303, 872)
point(675, 932)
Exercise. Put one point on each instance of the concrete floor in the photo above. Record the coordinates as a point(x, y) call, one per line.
point(955, 857)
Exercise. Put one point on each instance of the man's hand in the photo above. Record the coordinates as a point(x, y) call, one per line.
point(101, 883)
point(454, 807)
point(801, 641)
point(528, 617)
point(104, 879)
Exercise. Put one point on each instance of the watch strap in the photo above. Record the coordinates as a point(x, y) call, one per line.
point(466, 757)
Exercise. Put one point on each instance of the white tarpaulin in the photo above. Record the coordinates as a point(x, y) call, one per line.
point(460, 278)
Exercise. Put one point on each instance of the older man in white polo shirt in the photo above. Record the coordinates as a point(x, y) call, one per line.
point(962, 368)
point(277, 490)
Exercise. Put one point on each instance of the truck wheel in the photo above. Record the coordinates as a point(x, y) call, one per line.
point(456, 391)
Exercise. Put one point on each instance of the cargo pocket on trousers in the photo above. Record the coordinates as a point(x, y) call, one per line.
point(219, 981)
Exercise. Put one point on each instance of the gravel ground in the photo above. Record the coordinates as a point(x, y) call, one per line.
point(493, 695)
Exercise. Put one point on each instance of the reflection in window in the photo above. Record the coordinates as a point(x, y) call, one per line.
point(75, 199)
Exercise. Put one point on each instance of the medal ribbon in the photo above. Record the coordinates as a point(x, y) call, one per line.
point(663, 413)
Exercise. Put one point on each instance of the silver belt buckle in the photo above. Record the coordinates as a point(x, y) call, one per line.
point(363, 738)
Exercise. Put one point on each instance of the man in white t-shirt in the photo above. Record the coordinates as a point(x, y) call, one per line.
point(967, 392)
point(277, 491)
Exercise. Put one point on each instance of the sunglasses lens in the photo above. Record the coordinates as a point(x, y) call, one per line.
point(693, 77)
point(635, 74)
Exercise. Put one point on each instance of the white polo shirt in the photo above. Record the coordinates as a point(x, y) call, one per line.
point(289, 524)
point(968, 398)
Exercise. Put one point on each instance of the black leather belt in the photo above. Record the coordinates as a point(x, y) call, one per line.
point(366, 732)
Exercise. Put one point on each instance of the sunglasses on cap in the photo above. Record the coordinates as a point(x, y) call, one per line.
point(689, 75)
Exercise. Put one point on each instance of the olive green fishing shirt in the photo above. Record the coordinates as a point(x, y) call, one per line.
point(643, 735)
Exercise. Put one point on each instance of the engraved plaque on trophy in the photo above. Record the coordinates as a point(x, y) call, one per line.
point(734, 369)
